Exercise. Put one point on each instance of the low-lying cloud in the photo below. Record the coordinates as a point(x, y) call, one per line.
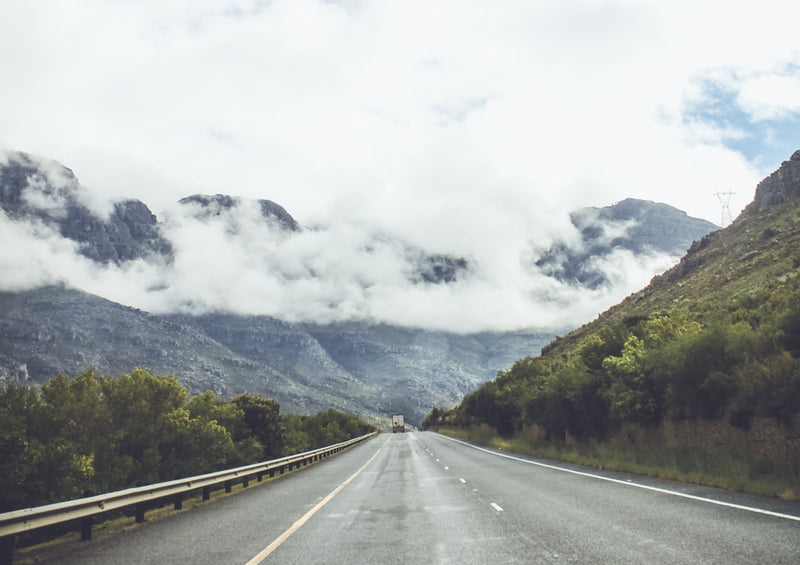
point(237, 260)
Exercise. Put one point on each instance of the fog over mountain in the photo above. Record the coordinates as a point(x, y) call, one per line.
point(233, 294)
point(221, 253)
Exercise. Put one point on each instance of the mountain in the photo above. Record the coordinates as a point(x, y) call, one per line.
point(207, 206)
point(705, 360)
point(357, 365)
point(45, 191)
point(639, 226)
point(738, 265)
point(358, 368)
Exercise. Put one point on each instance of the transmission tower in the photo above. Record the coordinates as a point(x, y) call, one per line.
point(725, 201)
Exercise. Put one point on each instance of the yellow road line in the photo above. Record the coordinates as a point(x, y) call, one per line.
point(299, 523)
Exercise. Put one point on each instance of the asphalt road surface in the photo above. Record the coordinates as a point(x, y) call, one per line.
point(423, 498)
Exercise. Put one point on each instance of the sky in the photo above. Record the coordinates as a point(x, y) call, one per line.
point(463, 128)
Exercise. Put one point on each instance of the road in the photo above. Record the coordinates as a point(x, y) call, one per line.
point(423, 498)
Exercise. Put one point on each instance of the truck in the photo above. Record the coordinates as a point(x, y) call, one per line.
point(397, 424)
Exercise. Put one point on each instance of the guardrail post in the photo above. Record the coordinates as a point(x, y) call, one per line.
point(260, 476)
point(7, 550)
point(140, 508)
point(206, 493)
point(178, 501)
point(245, 482)
point(228, 486)
point(86, 528)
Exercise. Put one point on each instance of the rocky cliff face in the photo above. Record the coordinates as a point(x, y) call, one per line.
point(781, 186)
point(48, 192)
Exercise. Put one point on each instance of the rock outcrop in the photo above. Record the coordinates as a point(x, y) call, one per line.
point(639, 226)
point(779, 187)
point(219, 203)
point(46, 191)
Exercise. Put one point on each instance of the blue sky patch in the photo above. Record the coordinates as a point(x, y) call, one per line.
point(765, 143)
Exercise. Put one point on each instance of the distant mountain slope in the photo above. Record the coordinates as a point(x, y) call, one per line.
point(56, 329)
point(647, 225)
point(357, 368)
point(639, 226)
point(410, 366)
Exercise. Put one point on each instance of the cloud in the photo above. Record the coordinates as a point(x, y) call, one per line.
point(33, 255)
point(770, 97)
point(236, 260)
point(301, 101)
point(461, 128)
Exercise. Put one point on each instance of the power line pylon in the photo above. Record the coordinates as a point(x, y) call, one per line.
point(725, 201)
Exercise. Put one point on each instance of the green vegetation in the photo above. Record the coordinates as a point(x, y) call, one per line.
point(79, 436)
point(665, 366)
point(696, 377)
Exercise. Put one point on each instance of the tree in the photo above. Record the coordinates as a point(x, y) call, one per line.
point(207, 407)
point(192, 446)
point(140, 405)
point(262, 417)
point(38, 465)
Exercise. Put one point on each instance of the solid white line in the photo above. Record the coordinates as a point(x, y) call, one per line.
point(628, 483)
point(299, 523)
point(496, 506)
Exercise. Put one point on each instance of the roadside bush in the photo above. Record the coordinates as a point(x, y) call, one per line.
point(73, 437)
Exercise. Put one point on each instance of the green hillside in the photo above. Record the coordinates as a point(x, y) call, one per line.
point(696, 377)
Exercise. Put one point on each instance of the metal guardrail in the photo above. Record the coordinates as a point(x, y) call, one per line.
point(29, 519)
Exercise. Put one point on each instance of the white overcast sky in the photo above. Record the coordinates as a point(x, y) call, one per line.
point(452, 124)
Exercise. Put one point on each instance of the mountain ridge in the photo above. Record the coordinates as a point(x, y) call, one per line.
point(56, 329)
point(130, 232)
point(359, 365)
point(638, 226)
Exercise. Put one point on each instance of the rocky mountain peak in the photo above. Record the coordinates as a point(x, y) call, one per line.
point(638, 226)
point(45, 190)
point(781, 186)
point(30, 186)
point(214, 205)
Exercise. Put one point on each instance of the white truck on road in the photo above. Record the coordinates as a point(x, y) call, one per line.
point(397, 424)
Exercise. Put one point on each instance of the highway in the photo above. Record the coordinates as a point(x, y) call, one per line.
point(424, 498)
